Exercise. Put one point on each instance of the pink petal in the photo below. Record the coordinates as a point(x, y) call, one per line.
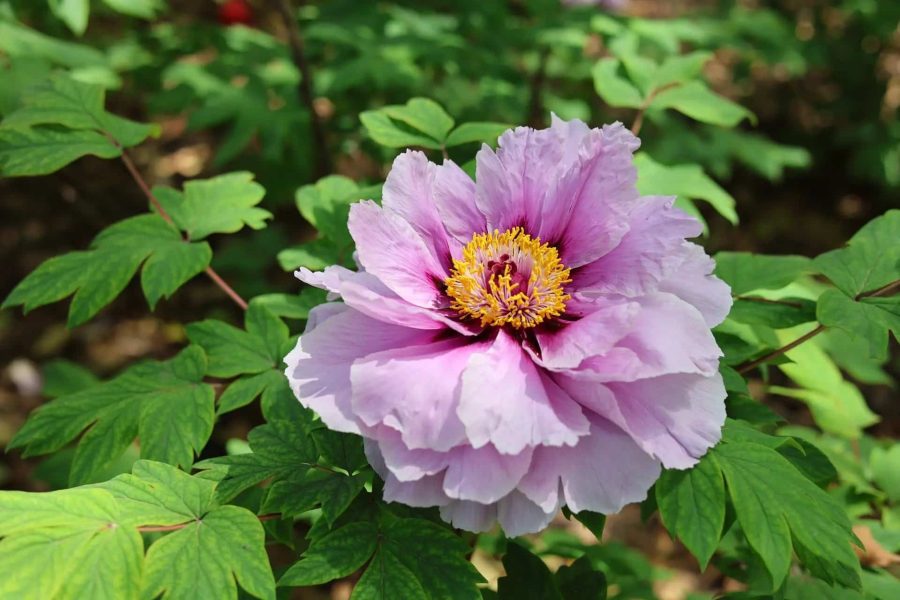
point(318, 368)
point(483, 474)
point(454, 197)
point(518, 515)
point(391, 250)
point(406, 464)
point(507, 402)
point(470, 516)
point(414, 390)
point(647, 254)
point(603, 473)
point(427, 491)
point(694, 283)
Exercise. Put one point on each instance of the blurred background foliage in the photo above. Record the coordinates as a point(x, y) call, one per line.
point(792, 132)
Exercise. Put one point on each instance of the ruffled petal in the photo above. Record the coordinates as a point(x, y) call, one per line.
point(518, 515)
point(647, 254)
point(391, 250)
point(603, 473)
point(483, 474)
point(318, 368)
point(596, 333)
point(424, 492)
point(470, 516)
point(694, 283)
point(415, 391)
point(408, 192)
point(506, 401)
point(402, 462)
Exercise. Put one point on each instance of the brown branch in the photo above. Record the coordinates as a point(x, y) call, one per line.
point(138, 178)
point(176, 527)
point(886, 290)
point(639, 117)
point(305, 87)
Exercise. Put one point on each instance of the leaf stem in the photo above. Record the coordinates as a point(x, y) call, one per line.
point(177, 526)
point(305, 86)
point(639, 117)
point(139, 179)
point(885, 290)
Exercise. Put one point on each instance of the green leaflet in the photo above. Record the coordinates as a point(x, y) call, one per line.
point(420, 122)
point(614, 88)
point(746, 272)
point(166, 404)
point(40, 151)
point(528, 578)
point(96, 276)
point(74, 13)
point(684, 181)
point(696, 100)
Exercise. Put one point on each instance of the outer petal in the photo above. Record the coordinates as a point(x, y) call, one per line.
point(367, 294)
point(675, 418)
point(596, 333)
point(694, 283)
point(507, 402)
point(415, 391)
point(318, 369)
point(470, 516)
point(454, 197)
point(408, 192)
point(518, 515)
point(427, 491)
point(406, 464)
point(647, 254)
point(603, 473)
point(391, 250)
point(483, 474)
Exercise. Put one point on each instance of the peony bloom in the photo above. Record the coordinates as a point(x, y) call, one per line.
point(538, 338)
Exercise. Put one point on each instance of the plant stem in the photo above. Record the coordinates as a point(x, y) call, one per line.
point(176, 527)
point(305, 87)
point(639, 117)
point(886, 290)
point(138, 178)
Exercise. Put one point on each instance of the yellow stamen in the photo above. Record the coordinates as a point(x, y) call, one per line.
point(508, 278)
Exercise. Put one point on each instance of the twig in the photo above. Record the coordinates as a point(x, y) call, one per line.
point(176, 527)
point(305, 87)
point(138, 178)
point(886, 290)
point(639, 117)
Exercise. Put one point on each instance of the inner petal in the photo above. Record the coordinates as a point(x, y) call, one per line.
point(508, 278)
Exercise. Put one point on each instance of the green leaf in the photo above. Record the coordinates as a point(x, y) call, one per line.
point(680, 68)
point(868, 319)
point(527, 577)
point(74, 13)
point(234, 351)
point(39, 151)
point(61, 377)
point(423, 115)
point(615, 89)
point(777, 506)
point(692, 506)
point(885, 466)
point(245, 390)
point(580, 581)
point(164, 403)
point(781, 314)
point(223, 204)
point(595, 522)
point(687, 181)
point(142, 9)
point(69, 544)
point(66, 102)
point(337, 554)
point(476, 132)
point(871, 259)
point(98, 275)
point(326, 205)
point(697, 101)
point(291, 306)
point(746, 272)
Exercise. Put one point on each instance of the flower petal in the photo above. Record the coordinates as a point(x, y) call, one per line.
point(483, 474)
point(454, 196)
point(406, 464)
point(318, 368)
point(391, 250)
point(414, 390)
point(518, 515)
point(507, 402)
point(427, 491)
point(470, 516)
point(694, 283)
point(603, 473)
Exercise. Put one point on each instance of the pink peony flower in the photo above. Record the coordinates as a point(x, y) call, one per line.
point(536, 339)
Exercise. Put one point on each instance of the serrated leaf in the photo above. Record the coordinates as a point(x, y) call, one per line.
point(387, 132)
point(697, 101)
point(423, 115)
point(41, 150)
point(777, 507)
point(869, 320)
point(476, 132)
point(245, 390)
point(61, 377)
point(580, 581)
point(780, 314)
point(687, 181)
point(232, 351)
point(69, 544)
point(336, 554)
point(63, 101)
point(165, 403)
point(291, 306)
point(692, 506)
point(326, 206)
point(527, 577)
point(223, 204)
point(615, 89)
point(746, 272)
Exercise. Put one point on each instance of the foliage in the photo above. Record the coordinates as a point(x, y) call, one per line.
point(153, 507)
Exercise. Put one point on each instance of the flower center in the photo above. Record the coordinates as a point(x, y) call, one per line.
point(508, 278)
